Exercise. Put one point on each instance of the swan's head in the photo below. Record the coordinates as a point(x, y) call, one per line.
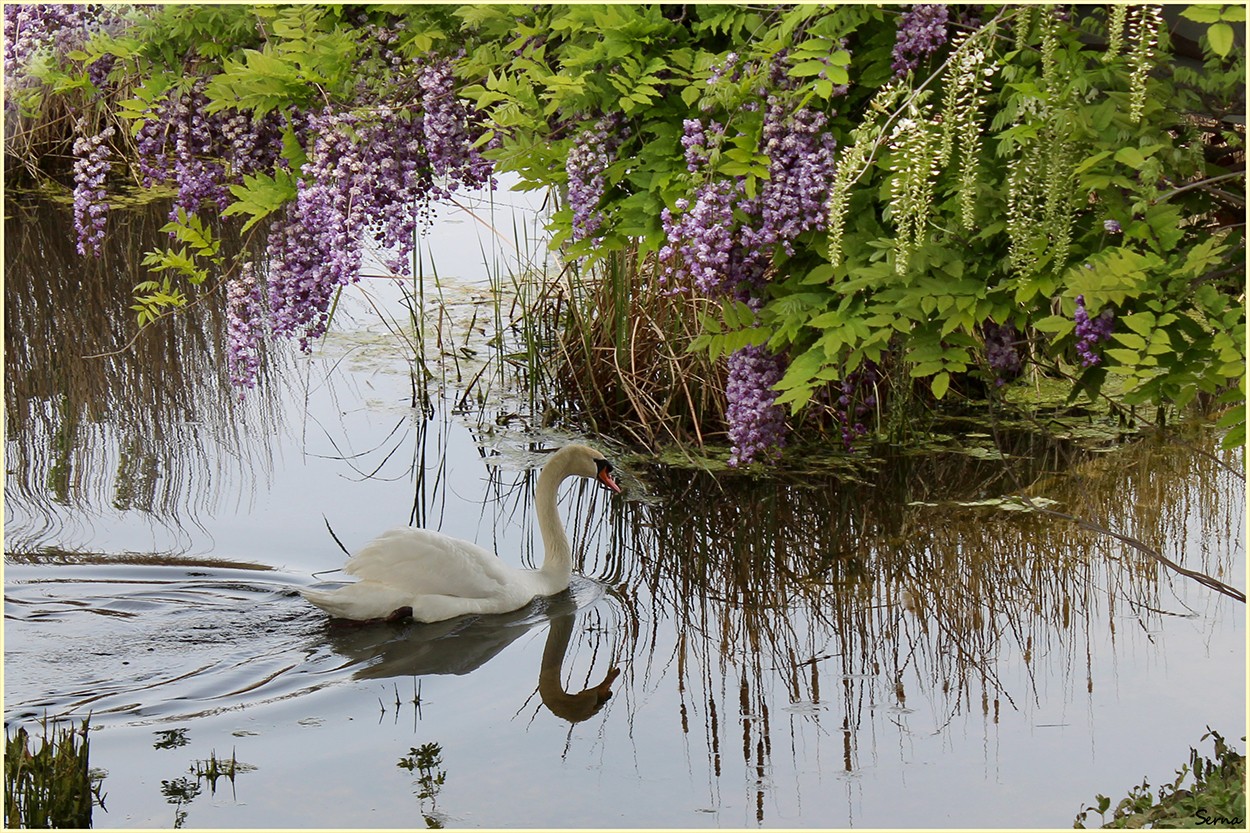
point(585, 461)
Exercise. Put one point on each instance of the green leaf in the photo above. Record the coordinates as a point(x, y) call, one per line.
point(805, 69)
point(803, 368)
point(819, 274)
point(261, 83)
point(1201, 13)
point(1220, 37)
point(1058, 324)
point(1091, 161)
point(1130, 156)
point(1125, 357)
point(1139, 322)
point(260, 195)
point(940, 384)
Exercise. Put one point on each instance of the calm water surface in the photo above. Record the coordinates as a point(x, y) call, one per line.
point(815, 650)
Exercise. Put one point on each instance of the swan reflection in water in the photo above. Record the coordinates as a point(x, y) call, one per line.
point(459, 646)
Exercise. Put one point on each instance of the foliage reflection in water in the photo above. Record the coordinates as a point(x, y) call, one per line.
point(99, 420)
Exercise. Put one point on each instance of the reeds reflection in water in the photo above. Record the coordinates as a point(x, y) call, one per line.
point(100, 419)
point(903, 594)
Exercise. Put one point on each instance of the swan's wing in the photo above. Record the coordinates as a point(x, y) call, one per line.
point(421, 562)
point(362, 600)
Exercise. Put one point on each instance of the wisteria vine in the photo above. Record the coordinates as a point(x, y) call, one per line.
point(720, 243)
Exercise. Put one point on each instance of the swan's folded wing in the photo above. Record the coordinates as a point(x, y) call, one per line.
point(423, 562)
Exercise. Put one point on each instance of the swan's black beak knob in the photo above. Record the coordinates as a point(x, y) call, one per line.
point(604, 476)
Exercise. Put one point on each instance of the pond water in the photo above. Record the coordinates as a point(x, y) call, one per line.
point(862, 648)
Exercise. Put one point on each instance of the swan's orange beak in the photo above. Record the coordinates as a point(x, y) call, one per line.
point(605, 476)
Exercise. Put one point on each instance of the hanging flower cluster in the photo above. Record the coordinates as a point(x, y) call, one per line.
point(921, 32)
point(181, 143)
point(1091, 331)
point(592, 150)
point(245, 327)
point(1148, 20)
point(915, 143)
point(757, 425)
point(720, 243)
point(91, 166)
point(1002, 351)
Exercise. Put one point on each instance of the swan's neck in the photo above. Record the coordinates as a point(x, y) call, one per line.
point(558, 561)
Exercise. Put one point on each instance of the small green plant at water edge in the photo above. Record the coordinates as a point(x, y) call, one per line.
point(51, 786)
point(1217, 797)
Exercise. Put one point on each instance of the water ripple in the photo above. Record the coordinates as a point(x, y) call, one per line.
point(137, 644)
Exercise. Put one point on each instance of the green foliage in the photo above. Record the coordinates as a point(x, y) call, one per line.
point(978, 191)
point(261, 195)
point(199, 254)
point(1216, 797)
point(425, 761)
point(51, 786)
point(1033, 142)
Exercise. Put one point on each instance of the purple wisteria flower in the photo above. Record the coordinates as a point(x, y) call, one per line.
point(1091, 331)
point(757, 424)
point(99, 69)
point(857, 397)
point(449, 142)
point(793, 199)
point(718, 72)
point(1001, 351)
point(921, 31)
point(720, 243)
point(698, 142)
point(91, 166)
point(315, 246)
point(30, 28)
point(245, 327)
point(703, 251)
point(587, 160)
point(370, 172)
point(1111, 226)
point(182, 144)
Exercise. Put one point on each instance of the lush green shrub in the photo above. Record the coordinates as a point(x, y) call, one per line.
point(948, 197)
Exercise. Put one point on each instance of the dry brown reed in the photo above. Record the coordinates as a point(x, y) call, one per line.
point(899, 585)
point(619, 355)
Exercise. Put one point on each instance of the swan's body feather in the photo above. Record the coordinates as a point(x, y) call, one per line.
point(440, 577)
point(424, 562)
point(361, 601)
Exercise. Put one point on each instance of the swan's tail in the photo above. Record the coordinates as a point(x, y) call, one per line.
point(359, 601)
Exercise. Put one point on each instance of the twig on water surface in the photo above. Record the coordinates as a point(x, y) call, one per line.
point(332, 535)
point(1201, 578)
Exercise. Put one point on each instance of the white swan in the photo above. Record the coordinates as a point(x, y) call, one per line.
point(431, 576)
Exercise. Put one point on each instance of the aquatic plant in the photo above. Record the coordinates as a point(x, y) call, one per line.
point(426, 761)
point(52, 786)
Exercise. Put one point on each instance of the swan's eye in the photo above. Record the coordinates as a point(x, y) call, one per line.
point(603, 465)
